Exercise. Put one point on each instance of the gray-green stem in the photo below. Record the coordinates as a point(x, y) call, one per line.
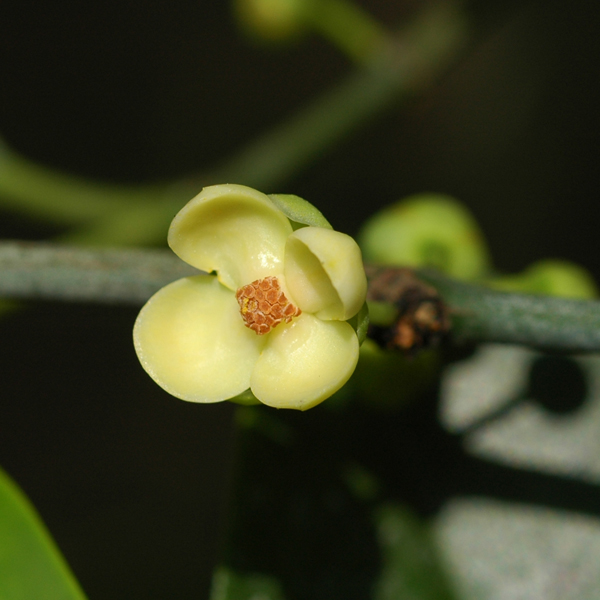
point(33, 271)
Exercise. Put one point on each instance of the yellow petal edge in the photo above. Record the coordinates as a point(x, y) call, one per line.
point(190, 339)
point(234, 230)
point(324, 273)
point(305, 363)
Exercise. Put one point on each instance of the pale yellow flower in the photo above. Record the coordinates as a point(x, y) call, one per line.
point(197, 337)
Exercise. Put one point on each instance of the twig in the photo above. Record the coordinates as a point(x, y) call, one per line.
point(480, 314)
point(31, 270)
point(44, 271)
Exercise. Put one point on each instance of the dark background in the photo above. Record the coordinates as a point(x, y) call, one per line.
point(131, 482)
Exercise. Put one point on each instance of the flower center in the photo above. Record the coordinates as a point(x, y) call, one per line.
point(263, 305)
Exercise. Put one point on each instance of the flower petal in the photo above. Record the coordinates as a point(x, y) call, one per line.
point(324, 273)
point(191, 340)
point(305, 362)
point(231, 229)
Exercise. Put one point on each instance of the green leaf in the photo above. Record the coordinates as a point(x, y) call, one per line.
point(31, 566)
point(231, 585)
point(299, 211)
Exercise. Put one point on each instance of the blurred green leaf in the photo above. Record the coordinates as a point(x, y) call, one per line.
point(230, 585)
point(412, 569)
point(31, 566)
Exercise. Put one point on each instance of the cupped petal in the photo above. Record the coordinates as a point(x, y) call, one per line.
point(233, 230)
point(324, 273)
point(305, 362)
point(191, 340)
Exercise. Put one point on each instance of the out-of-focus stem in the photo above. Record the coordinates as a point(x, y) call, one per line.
point(399, 69)
point(354, 31)
point(128, 215)
point(63, 198)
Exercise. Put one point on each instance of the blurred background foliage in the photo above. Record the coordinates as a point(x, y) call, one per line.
point(133, 484)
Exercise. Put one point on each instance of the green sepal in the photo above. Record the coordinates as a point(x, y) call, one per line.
point(360, 323)
point(300, 212)
point(246, 398)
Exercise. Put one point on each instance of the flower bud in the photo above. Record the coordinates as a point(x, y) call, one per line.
point(271, 20)
point(389, 380)
point(551, 278)
point(427, 230)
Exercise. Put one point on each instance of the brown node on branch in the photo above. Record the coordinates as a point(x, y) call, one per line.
point(422, 319)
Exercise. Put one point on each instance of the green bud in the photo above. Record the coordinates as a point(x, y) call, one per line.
point(427, 230)
point(389, 380)
point(271, 20)
point(246, 398)
point(551, 278)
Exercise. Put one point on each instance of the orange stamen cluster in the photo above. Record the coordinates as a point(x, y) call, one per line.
point(263, 305)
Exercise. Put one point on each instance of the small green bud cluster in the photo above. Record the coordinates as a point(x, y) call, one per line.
point(436, 231)
point(427, 231)
point(343, 23)
point(551, 277)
